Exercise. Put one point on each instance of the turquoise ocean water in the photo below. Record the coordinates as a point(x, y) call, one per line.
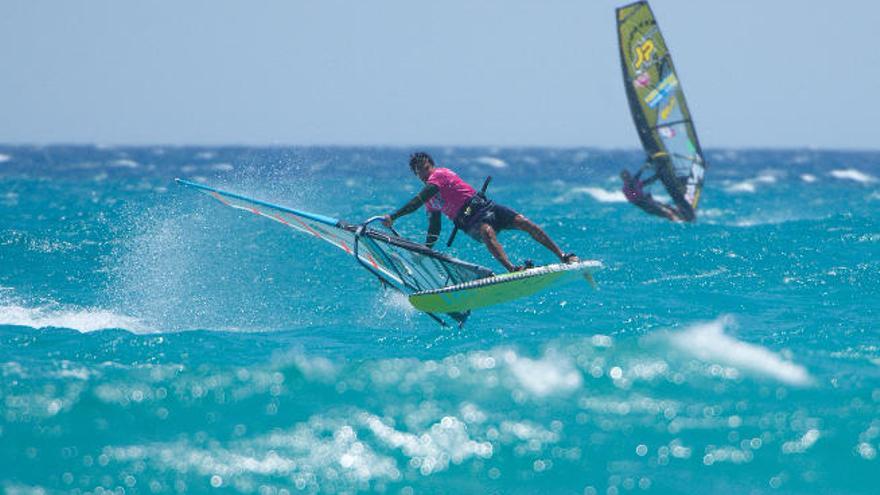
point(153, 341)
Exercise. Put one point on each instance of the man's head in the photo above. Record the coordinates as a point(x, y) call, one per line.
point(421, 164)
point(624, 174)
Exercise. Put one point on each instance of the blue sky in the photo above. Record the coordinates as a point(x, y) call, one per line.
point(779, 73)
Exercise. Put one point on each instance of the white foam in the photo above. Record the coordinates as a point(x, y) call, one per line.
point(5, 158)
point(802, 444)
point(597, 193)
point(713, 213)
point(708, 342)
point(853, 174)
point(76, 373)
point(398, 301)
point(15, 488)
point(83, 320)
point(706, 274)
point(729, 155)
point(549, 375)
point(492, 161)
point(527, 431)
point(741, 187)
point(768, 218)
point(801, 159)
point(300, 453)
point(316, 368)
point(605, 196)
point(808, 178)
point(444, 441)
point(750, 185)
point(125, 163)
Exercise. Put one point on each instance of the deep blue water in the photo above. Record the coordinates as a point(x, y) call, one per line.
point(152, 341)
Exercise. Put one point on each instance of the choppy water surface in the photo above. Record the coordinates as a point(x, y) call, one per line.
point(152, 341)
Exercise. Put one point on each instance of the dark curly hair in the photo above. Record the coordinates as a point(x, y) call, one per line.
point(419, 159)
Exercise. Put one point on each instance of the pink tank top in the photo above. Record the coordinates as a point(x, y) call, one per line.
point(452, 195)
point(633, 190)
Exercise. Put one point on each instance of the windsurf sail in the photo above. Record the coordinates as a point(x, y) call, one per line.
point(658, 107)
point(404, 265)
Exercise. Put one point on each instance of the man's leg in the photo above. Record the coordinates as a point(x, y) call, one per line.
point(659, 209)
point(671, 213)
point(522, 223)
point(490, 239)
point(685, 213)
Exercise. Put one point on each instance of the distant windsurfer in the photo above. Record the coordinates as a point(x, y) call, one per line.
point(469, 210)
point(633, 189)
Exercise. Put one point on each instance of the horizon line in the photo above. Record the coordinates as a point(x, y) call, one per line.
point(100, 145)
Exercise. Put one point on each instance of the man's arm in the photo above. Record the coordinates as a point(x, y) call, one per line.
point(649, 180)
point(648, 165)
point(433, 229)
point(412, 205)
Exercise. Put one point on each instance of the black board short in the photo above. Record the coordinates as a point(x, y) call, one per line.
point(481, 210)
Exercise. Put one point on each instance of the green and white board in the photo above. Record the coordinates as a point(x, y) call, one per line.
point(501, 288)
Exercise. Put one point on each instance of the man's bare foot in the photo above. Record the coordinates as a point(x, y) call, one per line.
point(525, 266)
point(570, 258)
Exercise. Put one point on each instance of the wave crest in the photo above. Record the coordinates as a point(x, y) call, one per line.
point(709, 342)
point(79, 319)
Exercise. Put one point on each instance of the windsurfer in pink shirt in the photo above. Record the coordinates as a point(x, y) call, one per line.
point(470, 211)
point(633, 190)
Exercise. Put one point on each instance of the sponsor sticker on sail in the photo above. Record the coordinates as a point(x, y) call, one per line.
point(664, 89)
